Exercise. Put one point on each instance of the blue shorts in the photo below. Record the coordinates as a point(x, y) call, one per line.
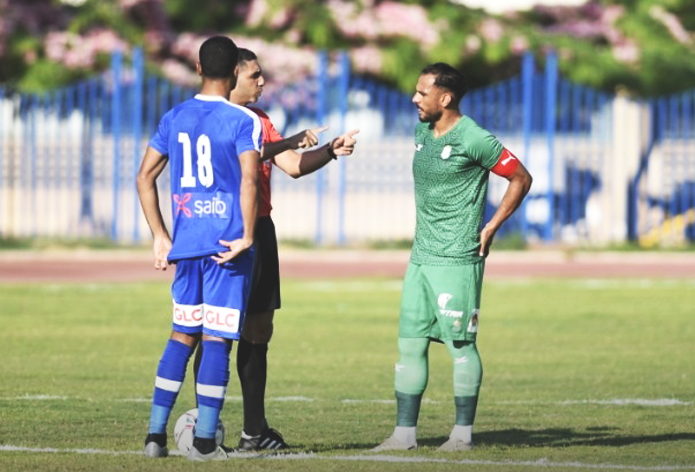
point(210, 298)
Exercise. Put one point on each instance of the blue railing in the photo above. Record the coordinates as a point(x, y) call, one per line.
point(662, 192)
point(68, 158)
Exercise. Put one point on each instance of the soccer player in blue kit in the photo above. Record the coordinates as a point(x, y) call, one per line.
point(213, 148)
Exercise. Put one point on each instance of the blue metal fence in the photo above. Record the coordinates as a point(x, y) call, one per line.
point(68, 158)
point(662, 203)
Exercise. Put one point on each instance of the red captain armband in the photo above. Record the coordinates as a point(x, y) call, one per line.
point(506, 164)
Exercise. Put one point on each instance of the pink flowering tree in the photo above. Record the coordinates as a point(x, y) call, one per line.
point(644, 46)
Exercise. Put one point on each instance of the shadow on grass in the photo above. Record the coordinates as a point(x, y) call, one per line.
point(347, 447)
point(552, 437)
point(562, 437)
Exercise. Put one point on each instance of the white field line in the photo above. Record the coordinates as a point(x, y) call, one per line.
point(230, 399)
point(631, 283)
point(290, 399)
point(658, 402)
point(370, 458)
point(613, 401)
point(538, 463)
point(388, 402)
point(628, 401)
point(353, 286)
point(11, 448)
point(589, 283)
point(37, 397)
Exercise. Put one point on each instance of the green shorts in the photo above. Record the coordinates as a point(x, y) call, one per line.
point(441, 302)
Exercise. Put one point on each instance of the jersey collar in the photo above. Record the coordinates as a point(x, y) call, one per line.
point(210, 98)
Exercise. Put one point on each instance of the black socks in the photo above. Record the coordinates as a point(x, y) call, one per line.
point(252, 367)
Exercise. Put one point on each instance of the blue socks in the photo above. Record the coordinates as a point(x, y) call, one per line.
point(170, 375)
point(213, 378)
point(211, 386)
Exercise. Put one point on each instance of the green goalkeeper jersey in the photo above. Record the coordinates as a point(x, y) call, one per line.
point(451, 178)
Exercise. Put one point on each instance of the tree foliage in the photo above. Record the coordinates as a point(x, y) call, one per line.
point(646, 47)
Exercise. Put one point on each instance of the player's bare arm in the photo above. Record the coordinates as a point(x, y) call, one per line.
point(344, 144)
point(519, 184)
point(153, 163)
point(249, 207)
point(302, 140)
point(297, 165)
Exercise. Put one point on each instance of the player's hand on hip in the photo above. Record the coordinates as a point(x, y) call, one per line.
point(161, 247)
point(236, 247)
point(308, 138)
point(486, 237)
point(344, 144)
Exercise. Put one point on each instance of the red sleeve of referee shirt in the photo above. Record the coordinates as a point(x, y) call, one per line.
point(270, 135)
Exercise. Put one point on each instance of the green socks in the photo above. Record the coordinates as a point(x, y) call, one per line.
point(411, 379)
point(408, 409)
point(468, 374)
point(412, 373)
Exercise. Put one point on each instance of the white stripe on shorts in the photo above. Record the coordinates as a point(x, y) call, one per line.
point(166, 384)
point(213, 391)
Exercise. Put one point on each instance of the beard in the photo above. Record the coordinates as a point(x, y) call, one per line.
point(425, 117)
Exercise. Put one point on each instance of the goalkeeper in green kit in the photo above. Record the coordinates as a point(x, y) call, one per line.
point(442, 286)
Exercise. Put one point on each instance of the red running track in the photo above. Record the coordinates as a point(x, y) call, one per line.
point(117, 266)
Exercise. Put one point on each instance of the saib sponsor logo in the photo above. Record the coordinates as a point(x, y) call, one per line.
point(203, 205)
point(181, 202)
point(214, 207)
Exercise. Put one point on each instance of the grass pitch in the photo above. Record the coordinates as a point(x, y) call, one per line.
point(579, 375)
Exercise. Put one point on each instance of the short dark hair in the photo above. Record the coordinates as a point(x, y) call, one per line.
point(218, 57)
point(246, 55)
point(447, 77)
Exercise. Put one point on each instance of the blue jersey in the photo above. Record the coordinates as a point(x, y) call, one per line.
point(203, 138)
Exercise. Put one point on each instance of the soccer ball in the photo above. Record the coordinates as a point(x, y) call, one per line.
point(184, 430)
